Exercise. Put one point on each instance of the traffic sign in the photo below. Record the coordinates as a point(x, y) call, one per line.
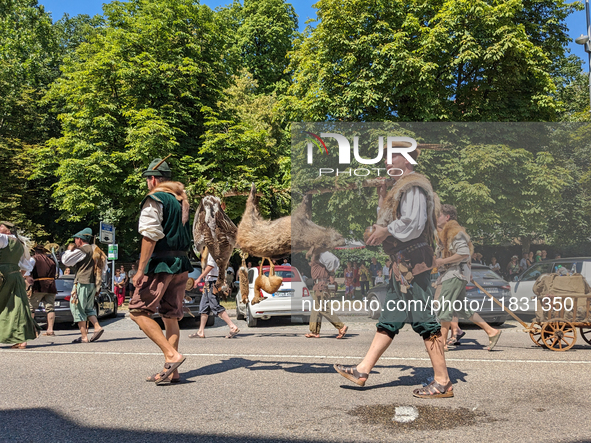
point(107, 233)
point(113, 252)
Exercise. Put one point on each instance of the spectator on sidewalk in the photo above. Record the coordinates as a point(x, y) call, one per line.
point(119, 287)
point(374, 267)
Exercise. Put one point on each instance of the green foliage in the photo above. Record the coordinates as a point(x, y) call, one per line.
point(263, 39)
point(456, 60)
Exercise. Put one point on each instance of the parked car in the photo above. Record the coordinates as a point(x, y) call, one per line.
point(488, 310)
point(105, 302)
point(286, 301)
point(522, 286)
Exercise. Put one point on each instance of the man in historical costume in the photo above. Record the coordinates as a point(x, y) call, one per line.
point(16, 323)
point(86, 262)
point(164, 266)
point(453, 255)
point(44, 289)
point(406, 227)
point(322, 266)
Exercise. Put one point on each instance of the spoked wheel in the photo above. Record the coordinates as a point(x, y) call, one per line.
point(536, 334)
point(559, 335)
point(586, 334)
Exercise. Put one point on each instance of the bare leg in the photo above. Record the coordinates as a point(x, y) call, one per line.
point(378, 346)
point(50, 322)
point(154, 333)
point(224, 316)
point(435, 349)
point(173, 336)
point(445, 327)
point(95, 324)
point(490, 331)
point(202, 324)
point(83, 331)
point(455, 327)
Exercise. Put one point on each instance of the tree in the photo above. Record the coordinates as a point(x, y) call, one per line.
point(29, 57)
point(132, 91)
point(429, 61)
point(264, 37)
point(246, 141)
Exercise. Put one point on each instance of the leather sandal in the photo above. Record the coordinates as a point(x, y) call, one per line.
point(492, 341)
point(351, 373)
point(453, 340)
point(310, 335)
point(169, 368)
point(155, 377)
point(434, 390)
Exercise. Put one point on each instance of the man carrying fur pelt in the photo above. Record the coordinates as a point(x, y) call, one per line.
point(164, 265)
point(454, 250)
point(406, 228)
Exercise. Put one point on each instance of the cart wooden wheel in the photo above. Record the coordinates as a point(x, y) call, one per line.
point(535, 334)
point(559, 335)
point(586, 334)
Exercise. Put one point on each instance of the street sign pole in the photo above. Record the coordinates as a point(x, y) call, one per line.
point(113, 267)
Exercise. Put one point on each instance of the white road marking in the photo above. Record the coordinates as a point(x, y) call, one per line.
point(294, 356)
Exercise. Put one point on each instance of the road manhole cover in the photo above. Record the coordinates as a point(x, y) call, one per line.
point(416, 417)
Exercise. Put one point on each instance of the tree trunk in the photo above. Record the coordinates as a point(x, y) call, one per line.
point(525, 244)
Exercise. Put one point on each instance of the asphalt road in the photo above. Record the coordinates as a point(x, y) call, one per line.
point(271, 384)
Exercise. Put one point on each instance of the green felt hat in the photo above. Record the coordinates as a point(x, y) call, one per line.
point(85, 234)
point(158, 168)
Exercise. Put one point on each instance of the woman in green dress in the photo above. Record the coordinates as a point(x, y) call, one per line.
point(16, 323)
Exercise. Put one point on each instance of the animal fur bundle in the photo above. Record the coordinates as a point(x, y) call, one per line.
point(275, 238)
point(213, 229)
point(100, 259)
point(243, 279)
point(268, 284)
point(178, 190)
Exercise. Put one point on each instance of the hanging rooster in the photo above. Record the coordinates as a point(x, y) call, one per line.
point(213, 229)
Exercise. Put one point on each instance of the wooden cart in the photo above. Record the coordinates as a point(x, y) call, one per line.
point(563, 305)
point(559, 311)
point(558, 331)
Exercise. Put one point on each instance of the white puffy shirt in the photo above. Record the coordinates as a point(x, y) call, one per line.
point(150, 224)
point(413, 216)
point(25, 262)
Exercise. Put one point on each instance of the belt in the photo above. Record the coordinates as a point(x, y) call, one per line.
point(44, 278)
point(409, 249)
point(321, 280)
point(163, 254)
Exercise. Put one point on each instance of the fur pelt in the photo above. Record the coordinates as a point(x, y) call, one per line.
point(389, 209)
point(275, 238)
point(451, 229)
point(243, 279)
point(214, 233)
point(178, 190)
point(100, 258)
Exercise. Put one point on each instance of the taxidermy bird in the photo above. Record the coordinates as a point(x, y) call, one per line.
point(213, 229)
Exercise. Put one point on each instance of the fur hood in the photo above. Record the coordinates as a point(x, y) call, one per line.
point(389, 210)
point(178, 190)
point(450, 231)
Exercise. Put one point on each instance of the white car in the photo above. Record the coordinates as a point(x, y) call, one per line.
point(286, 301)
point(522, 293)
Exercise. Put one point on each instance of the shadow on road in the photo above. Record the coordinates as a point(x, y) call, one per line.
point(47, 425)
point(413, 375)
